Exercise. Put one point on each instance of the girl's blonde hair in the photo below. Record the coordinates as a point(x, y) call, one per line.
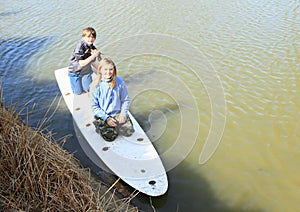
point(105, 61)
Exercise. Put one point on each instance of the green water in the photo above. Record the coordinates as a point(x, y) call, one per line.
point(221, 74)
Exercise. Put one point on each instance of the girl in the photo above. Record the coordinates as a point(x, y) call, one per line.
point(110, 102)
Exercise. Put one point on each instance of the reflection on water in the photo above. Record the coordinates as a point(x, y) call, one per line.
point(254, 46)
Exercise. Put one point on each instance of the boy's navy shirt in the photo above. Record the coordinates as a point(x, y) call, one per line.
point(81, 52)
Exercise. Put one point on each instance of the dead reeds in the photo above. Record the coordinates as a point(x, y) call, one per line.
point(36, 174)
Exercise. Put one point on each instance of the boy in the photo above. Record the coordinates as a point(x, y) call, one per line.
point(83, 56)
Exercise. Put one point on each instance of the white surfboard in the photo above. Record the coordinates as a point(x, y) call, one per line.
point(133, 159)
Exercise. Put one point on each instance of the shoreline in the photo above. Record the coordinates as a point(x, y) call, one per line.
point(38, 174)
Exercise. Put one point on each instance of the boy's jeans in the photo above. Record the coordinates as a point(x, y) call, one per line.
point(80, 83)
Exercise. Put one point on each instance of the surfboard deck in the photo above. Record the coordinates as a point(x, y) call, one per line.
point(134, 159)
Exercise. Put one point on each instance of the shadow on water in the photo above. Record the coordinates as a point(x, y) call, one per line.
point(184, 194)
point(31, 98)
point(191, 192)
point(14, 56)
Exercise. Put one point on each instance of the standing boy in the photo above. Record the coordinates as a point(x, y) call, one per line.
point(83, 57)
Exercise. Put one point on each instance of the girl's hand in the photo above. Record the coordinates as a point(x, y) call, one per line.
point(121, 119)
point(111, 122)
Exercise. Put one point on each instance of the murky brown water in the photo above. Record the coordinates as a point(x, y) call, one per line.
point(248, 54)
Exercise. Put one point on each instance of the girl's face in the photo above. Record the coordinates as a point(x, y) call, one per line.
point(107, 71)
point(89, 39)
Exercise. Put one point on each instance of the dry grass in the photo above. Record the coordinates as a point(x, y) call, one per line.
point(36, 174)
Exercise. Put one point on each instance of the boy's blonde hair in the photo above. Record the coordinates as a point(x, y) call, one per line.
point(89, 31)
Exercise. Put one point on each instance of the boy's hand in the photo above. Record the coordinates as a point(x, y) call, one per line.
point(94, 53)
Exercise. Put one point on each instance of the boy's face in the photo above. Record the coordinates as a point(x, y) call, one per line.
point(89, 39)
point(107, 70)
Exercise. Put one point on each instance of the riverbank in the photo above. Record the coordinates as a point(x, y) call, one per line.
point(38, 175)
